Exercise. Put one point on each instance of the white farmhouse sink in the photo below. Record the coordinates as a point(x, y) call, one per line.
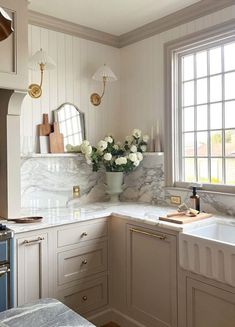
point(209, 250)
point(217, 231)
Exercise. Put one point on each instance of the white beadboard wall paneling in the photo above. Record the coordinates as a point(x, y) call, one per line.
point(142, 73)
point(77, 59)
point(53, 75)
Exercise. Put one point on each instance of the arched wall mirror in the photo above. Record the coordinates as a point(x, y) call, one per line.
point(71, 123)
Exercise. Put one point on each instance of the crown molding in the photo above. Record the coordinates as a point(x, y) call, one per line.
point(66, 27)
point(185, 15)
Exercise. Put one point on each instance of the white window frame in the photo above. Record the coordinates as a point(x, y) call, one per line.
point(173, 50)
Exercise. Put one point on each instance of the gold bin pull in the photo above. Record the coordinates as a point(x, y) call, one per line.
point(160, 237)
point(39, 239)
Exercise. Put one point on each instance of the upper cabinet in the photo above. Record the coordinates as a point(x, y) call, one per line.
point(14, 49)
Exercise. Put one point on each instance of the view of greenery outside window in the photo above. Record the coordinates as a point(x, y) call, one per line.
point(206, 93)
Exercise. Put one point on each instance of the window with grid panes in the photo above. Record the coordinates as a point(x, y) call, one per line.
point(206, 114)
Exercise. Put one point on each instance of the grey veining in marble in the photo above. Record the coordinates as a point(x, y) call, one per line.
point(146, 184)
point(47, 182)
point(42, 313)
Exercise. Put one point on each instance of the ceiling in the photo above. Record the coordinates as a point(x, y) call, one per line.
point(111, 16)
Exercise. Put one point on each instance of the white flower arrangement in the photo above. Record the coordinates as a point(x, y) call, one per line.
point(114, 156)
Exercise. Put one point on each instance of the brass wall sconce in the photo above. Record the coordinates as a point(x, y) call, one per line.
point(5, 25)
point(103, 74)
point(40, 60)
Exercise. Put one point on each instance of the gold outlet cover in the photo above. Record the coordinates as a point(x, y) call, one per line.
point(176, 199)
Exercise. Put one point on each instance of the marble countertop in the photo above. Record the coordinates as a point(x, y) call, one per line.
point(145, 213)
point(42, 313)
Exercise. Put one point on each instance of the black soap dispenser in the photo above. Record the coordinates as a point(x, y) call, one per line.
point(195, 199)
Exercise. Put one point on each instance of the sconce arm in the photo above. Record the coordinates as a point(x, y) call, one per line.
point(42, 67)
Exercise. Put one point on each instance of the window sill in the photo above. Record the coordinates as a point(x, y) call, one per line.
point(201, 191)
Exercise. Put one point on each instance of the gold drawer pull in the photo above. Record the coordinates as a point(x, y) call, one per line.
point(84, 234)
point(84, 298)
point(84, 262)
point(39, 239)
point(160, 237)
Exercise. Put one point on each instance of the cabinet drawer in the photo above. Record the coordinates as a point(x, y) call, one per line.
point(81, 233)
point(85, 296)
point(81, 262)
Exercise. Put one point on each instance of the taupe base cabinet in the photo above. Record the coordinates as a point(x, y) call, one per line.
point(151, 276)
point(121, 270)
point(204, 302)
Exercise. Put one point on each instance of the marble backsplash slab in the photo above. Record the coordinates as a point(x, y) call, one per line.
point(47, 182)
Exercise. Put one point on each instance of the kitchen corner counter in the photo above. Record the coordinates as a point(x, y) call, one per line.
point(44, 312)
point(143, 213)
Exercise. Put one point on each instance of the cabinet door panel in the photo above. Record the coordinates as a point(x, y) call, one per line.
point(32, 268)
point(151, 269)
point(209, 306)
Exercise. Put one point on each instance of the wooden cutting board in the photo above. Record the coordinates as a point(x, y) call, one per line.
point(44, 129)
point(185, 219)
point(56, 140)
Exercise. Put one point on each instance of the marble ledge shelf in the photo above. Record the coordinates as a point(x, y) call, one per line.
point(68, 155)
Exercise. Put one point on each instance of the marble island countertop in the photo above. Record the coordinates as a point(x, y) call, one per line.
point(44, 312)
point(144, 213)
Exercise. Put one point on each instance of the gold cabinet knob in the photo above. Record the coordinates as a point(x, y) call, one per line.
point(84, 262)
point(84, 298)
point(84, 234)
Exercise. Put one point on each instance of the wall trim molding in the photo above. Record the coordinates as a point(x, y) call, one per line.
point(63, 26)
point(185, 15)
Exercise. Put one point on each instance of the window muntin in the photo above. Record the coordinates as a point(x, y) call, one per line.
point(206, 114)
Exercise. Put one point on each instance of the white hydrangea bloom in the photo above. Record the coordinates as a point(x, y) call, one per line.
point(133, 157)
point(116, 147)
point(84, 146)
point(108, 139)
point(133, 148)
point(139, 156)
point(136, 133)
point(121, 161)
point(107, 156)
point(129, 139)
point(145, 138)
point(102, 145)
point(143, 148)
point(136, 163)
point(88, 150)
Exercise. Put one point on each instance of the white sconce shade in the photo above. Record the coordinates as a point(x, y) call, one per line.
point(103, 74)
point(104, 71)
point(41, 57)
point(39, 61)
